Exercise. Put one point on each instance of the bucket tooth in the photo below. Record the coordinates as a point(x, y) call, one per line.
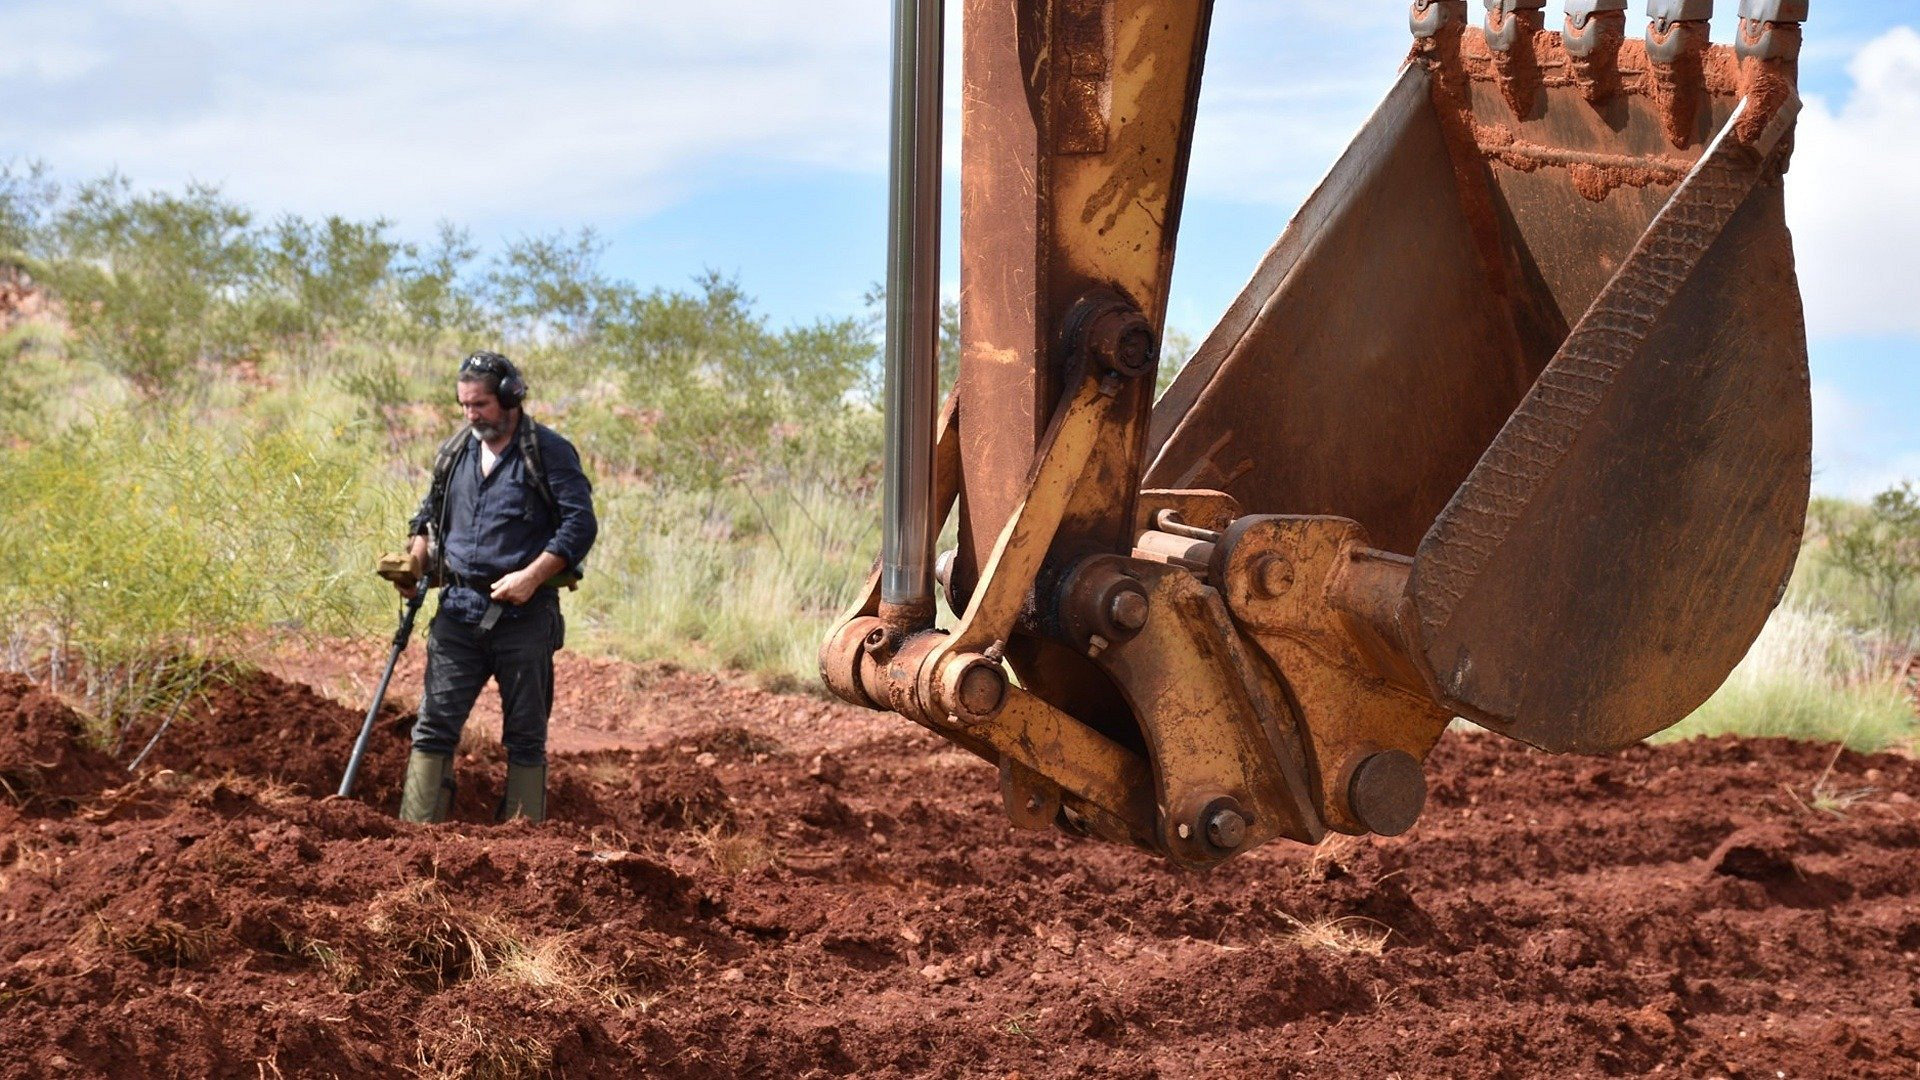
point(1512, 27)
point(1770, 29)
point(1514, 22)
point(1437, 18)
point(1595, 31)
point(1678, 36)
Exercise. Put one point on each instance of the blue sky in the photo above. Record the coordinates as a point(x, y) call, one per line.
point(749, 136)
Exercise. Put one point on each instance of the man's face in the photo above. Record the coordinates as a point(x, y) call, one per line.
point(483, 410)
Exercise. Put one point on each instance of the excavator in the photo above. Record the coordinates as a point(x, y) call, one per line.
point(1511, 425)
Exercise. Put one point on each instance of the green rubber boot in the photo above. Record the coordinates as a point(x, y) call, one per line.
point(428, 796)
point(526, 794)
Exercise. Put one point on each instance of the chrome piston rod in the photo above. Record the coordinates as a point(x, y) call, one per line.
point(913, 315)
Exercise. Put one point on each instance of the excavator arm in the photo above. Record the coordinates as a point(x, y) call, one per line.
point(1511, 424)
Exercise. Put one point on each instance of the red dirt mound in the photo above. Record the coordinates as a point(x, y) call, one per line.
point(45, 762)
point(255, 724)
point(724, 905)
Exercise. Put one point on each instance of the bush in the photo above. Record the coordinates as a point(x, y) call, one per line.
point(132, 543)
point(146, 279)
point(1880, 547)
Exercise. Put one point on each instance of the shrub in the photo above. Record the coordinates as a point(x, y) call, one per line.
point(146, 277)
point(1880, 548)
point(133, 542)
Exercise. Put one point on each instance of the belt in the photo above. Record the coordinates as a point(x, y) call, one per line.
point(484, 586)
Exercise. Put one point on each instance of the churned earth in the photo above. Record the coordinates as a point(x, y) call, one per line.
point(752, 884)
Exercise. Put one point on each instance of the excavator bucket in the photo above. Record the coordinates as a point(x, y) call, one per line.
point(1539, 329)
point(1512, 423)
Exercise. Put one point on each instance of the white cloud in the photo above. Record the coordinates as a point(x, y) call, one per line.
point(540, 113)
point(47, 46)
point(1853, 198)
point(550, 113)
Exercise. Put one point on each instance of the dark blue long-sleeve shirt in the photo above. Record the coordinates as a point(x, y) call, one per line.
point(500, 523)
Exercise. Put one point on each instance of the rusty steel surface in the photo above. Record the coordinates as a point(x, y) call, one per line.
point(1216, 721)
point(1077, 117)
point(1625, 537)
point(1357, 375)
point(1003, 384)
point(1512, 423)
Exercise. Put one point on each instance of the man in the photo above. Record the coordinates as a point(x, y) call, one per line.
point(512, 514)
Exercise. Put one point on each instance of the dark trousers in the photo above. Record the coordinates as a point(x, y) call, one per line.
point(517, 654)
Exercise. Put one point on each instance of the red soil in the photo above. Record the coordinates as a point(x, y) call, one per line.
point(44, 760)
point(751, 900)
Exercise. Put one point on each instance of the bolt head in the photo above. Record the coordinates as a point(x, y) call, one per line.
point(1124, 341)
point(982, 689)
point(1226, 830)
point(1273, 576)
point(1128, 610)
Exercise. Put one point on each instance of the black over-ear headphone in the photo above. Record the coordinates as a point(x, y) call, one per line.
point(509, 387)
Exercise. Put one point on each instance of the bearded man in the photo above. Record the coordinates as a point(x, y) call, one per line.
point(505, 523)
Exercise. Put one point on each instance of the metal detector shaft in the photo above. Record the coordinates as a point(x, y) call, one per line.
point(400, 639)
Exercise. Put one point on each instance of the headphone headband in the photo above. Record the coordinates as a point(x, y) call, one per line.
point(508, 384)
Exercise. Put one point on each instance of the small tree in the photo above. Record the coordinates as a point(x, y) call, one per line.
point(148, 278)
point(1882, 549)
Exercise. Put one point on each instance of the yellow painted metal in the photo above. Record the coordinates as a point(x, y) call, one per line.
point(1283, 584)
point(1153, 667)
point(1109, 785)
point(1215, 718)
point(1114, 211)
point(1024, 542)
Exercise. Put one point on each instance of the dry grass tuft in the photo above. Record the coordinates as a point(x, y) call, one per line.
point(470, 1049)
point(1825, 797)
point(429, 937)
point(161, 941)
point(1323, 857)
point(433, 939)
point(554, 969)
point(733, 852)
point(344, 970)
point(612, 772)
point(1351, 935)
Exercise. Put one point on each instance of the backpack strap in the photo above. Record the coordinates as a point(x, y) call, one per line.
point(529, 439)
point(443, 461)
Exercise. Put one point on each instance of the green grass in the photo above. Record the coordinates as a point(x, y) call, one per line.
point(742, 580)
point(135, 540)
point(259, 502)
point(1810, 677)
